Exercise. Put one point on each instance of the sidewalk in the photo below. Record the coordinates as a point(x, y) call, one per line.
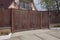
point(36, 35)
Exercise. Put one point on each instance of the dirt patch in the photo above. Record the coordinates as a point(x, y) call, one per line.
point(5, 31)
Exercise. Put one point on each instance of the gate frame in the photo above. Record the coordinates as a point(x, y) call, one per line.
point(12, 21)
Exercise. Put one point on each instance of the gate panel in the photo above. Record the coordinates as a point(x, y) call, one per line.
point(27, 20)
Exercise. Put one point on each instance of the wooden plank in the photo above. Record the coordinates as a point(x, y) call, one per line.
point(12, 21)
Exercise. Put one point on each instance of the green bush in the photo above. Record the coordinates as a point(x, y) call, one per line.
point(57, 26)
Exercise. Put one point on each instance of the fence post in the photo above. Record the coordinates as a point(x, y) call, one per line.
point(12, 25)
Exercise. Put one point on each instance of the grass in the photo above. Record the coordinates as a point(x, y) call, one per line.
point(57, 26)
point(4, 31)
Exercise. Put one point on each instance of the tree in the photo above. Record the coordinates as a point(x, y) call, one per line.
point(48, 4)
point(57, 4)
point(51, 4)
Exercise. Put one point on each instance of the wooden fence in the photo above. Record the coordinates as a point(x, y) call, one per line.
point(54, 17)
point(4, 17)
point(20, 20)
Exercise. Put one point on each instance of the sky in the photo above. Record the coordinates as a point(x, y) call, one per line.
point(38, 5)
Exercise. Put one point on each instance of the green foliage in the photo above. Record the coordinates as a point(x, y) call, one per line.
point(49, 3)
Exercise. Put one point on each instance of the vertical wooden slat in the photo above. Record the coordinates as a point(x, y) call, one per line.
point(12, 30)
point(2, 15)
point(49, 20)
point(41, 19)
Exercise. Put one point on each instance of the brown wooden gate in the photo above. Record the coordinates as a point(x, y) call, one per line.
point(27, 20)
